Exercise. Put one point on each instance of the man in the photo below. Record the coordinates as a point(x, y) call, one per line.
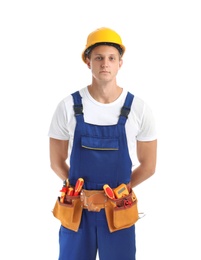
point(95, 134)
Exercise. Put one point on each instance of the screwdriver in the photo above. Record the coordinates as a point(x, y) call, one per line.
point(108, 191)
point(78, 186)
point(63, 193)
point(70, 191)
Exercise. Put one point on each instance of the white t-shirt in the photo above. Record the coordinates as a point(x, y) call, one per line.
point(139, 126)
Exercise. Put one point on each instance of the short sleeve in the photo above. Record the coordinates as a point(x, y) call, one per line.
point(147, 130)
point(58, 127)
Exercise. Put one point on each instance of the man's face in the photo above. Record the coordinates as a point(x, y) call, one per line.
point(104, 62)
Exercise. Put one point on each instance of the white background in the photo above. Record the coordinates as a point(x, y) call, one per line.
point(40, 63)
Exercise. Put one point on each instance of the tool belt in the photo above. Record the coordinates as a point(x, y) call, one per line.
point(120, 213)
point(93, 200)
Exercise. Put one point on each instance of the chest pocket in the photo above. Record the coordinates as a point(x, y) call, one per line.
point(97, 143)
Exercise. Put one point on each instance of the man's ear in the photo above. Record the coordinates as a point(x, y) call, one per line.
point(120, 63)
point(88, 63)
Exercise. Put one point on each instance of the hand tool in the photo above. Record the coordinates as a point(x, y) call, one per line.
point(78, 186)
point(108, 191)
point(63, 193)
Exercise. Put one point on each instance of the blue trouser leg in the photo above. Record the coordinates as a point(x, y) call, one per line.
point(81, 245)
point(94, 234)
point(119, 245)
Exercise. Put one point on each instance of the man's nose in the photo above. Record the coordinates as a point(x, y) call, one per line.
point(104, 63)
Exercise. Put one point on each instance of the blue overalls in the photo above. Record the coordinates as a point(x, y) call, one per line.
point(99, 156)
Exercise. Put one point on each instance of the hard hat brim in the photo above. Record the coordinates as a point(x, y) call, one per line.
point(120, 47)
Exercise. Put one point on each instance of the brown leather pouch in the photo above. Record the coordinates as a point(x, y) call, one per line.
point(69, 213)
point(122, 213)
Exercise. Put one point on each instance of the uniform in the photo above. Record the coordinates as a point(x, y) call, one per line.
point(100, 154)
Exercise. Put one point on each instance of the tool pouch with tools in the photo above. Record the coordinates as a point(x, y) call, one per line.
point(121, 213)
point(69, 213)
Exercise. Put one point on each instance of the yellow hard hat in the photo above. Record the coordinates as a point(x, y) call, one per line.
point(103, 36)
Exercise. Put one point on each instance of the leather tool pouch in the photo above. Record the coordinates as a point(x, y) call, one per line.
point(69, 213)
point(121, 213)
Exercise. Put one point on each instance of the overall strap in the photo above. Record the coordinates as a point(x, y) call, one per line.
point(125, 110)
point(78, 107)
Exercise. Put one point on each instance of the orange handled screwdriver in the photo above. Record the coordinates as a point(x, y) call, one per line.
point(78, 186)
point(63, 193)
point(70, 191)
point(108, 191)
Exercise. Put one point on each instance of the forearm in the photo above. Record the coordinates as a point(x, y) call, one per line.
point(140, 174)
point(61, 170)
point(58, 157)
point(146, 152)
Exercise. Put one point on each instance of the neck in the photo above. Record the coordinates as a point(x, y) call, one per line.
point(105, 94)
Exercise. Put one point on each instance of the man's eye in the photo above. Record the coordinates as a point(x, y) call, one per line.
point(112, 58)
point(98, 58)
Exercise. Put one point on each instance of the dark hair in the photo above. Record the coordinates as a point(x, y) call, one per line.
point(117, 46)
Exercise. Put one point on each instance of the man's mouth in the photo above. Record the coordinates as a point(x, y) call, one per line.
point(104, 71)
